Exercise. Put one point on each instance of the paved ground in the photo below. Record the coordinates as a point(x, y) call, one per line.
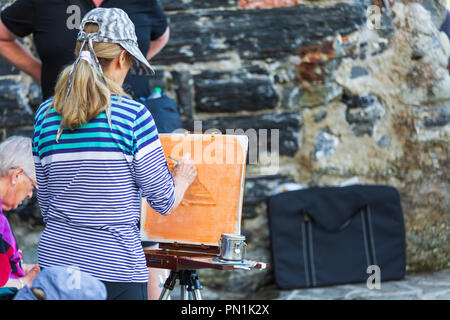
point(430, 286)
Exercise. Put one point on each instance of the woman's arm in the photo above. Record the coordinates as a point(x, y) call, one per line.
point(26, 280)
point(152, 175)
point(157, 45)
point(15, 283)
point(184, 173)
point(16, 54)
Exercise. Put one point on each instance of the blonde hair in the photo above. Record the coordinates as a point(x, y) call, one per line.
point(89, 96)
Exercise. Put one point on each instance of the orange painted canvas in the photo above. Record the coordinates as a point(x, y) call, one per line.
point(213, 203)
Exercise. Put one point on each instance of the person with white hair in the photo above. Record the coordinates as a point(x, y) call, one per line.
point(17, 182)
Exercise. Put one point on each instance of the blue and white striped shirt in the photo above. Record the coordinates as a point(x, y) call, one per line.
point(90, 186)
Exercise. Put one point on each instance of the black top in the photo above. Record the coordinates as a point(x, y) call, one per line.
point(54, 25)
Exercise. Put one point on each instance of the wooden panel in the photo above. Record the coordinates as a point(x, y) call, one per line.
point(213, 203)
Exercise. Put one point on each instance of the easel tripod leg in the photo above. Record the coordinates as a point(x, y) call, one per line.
point(184, 285)
point(190, 292)
point(183, 293)
point(169, 285)
point(195, 285)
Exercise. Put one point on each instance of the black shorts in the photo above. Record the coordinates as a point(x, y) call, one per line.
point(126, 290)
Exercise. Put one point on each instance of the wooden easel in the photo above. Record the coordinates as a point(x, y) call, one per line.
point(218, 189)
point(183, 260)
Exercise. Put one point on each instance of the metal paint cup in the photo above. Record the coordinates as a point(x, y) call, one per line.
point(232, 247)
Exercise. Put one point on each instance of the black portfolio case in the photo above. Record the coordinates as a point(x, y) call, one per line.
point(331, 235)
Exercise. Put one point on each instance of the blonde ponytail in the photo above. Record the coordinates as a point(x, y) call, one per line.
point(89, 95)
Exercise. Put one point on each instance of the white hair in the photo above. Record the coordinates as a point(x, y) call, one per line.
point(16, 152)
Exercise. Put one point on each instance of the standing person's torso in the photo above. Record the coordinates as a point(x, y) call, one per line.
point(92, 200)
point(56, 32)
point(89, 171)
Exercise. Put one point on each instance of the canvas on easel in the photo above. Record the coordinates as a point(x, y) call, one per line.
point(212, 205)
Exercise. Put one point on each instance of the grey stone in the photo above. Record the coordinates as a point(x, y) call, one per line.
point(320, 94)
point(325, 145)
point(363, 54)
point(290, 98)
point(207, 35)
point(438, 118)
point(177, 5)
point(25, 132)
point(35, 95)
point(183, 86)
point(362, 113)
point(7, 68)
point(419, 53)
point(259, 189)
point(288, 124)
point(14, 108)
point(362, 101)
point(369, 114)
point(387, 28)
point(234, 91)
point(358, 71)
point(436, 9)
point(249, 212)
point(322, 114)
point(362, 128)
point(385, 141)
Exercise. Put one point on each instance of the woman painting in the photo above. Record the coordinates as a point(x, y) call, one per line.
point(96, 153)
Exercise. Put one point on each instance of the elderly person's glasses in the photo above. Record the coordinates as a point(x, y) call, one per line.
point(33, 184)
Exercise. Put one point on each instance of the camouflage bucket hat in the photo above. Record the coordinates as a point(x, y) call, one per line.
point(114, 26)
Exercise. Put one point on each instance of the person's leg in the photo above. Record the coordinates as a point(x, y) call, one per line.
point(156, 278)
point(126, 290)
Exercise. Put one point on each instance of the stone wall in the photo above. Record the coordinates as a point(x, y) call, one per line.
point(349, 100)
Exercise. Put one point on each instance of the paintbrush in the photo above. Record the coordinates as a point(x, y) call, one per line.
point(174, 159)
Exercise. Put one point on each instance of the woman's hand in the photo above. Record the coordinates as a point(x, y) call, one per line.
point(28, 267)
point(31, 271)
point(184, 172)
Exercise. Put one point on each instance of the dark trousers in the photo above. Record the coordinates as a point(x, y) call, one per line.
point(126, 290)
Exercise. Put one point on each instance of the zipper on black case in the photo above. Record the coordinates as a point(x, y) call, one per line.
point(306, 250)
point(368, 236)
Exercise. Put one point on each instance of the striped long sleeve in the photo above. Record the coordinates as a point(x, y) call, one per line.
point(152, 172)
point(90, 187)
